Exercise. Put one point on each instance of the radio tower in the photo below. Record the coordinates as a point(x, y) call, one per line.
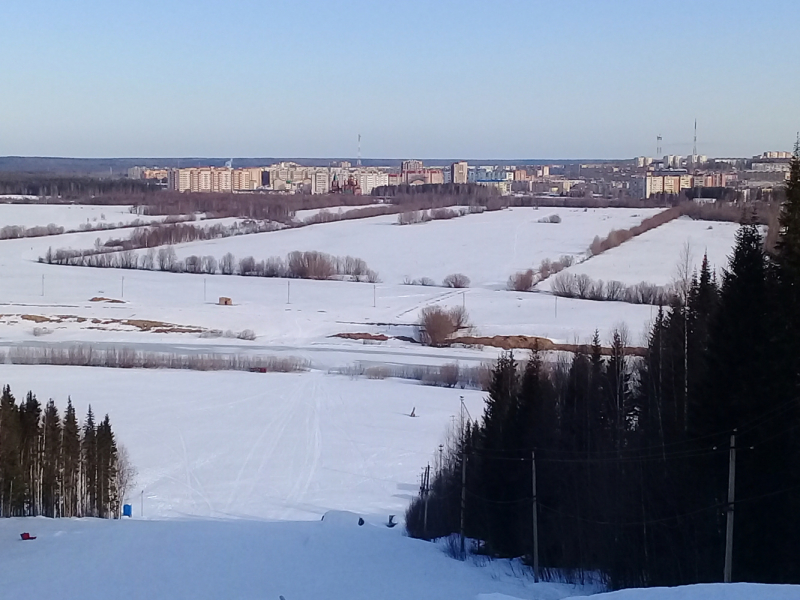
point(694, 148)
point(358, 161)
point(658, 147)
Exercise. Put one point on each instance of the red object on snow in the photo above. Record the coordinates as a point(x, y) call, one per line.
point(27, 536)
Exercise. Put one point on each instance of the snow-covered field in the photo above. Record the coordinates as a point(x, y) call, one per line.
point(69, 216)
point(253, 445)
point(654, 256)
point(486, 247)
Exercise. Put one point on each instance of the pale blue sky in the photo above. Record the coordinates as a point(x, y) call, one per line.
point(442, 78)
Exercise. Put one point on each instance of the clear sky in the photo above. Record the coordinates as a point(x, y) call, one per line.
point(436, 78)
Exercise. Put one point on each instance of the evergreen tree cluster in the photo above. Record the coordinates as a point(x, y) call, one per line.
point(53, 466)
point(632, 453)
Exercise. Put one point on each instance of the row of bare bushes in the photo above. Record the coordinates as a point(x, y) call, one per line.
point(437, 214)
point(84, 355)
point(327, 216)
point(617, 237)
point(181, 233)
point(437, 324)
point(569, 285)
point(454, 280)
point(296, 265)
point(523, 281)
point(451, 375)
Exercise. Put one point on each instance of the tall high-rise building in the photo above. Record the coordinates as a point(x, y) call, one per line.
point(459, 172)
point(410, 165)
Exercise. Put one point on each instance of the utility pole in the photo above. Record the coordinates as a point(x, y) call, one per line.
point(463, 480)
point(42, 285)
point(556, 304)
point(426, 486)
point(374, 295)
point(142, 504)
point(535, 520)
point(729, 520)
point(463, 300)
point(288, 292)
point(463, 495)
point(204, 289)
point(123, 286)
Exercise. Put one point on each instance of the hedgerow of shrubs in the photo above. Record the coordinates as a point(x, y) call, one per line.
point(569, 285)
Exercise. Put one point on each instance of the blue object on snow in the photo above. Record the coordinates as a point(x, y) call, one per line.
point(127, 510)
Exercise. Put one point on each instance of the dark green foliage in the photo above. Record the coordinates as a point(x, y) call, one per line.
point(632, 452)
point(47, 467)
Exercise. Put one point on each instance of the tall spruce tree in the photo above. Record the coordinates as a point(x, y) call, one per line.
point(71, 463)
point(89, 465)
point(51, 461)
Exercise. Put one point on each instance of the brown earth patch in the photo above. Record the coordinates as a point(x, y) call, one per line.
point(104, 299)
point(37, 318)
point(363, 336)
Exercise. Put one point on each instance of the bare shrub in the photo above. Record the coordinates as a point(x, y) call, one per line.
point(615, 290)
point(566, 260)
point(459, 317)
point(565, 284)
point(148, 260)
point(274, 267)
point(583, 284)
point(209, 265)
point(522, 281)
point(227, 264)
point(247, 266)
point(372, 276)
point(456, 280)
point(436, 324)
point(193, 264)
point(310, 265)
point(247, 334)
point(166, 258)
point(426, 282)
point(128, 259)
point(597, 290)
point(40, 331)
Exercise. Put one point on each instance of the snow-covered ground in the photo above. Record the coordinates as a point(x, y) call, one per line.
point(487, 247)
point(654, 256)
point(331, 559)
point(254, 445)
point(69, 216)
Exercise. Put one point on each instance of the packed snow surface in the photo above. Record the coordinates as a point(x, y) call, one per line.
point(655, 255)
point(256, 445)
point(68, 216)
point(332, 559)
point(487, 247)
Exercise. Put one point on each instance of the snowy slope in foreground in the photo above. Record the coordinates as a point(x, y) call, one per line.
point(713, 591)
point(243, 560)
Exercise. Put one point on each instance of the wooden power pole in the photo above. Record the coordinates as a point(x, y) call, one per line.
point(463, 496)
point(729, 521)
point(535, 520)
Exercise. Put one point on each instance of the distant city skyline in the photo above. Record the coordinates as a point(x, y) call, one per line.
point(510, 80)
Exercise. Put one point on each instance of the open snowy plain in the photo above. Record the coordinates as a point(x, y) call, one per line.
point(236, 469)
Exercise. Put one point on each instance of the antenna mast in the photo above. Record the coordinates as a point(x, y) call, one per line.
point(694, 149)
point(658, 146)
point(358, 162)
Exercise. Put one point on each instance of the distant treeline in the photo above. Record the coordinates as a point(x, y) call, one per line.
point(55, 467)
point(71, 187)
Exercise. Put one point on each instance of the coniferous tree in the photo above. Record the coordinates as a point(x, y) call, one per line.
point(89, 466)
point(10, 468)
point(51, 462)
point(71, 463)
